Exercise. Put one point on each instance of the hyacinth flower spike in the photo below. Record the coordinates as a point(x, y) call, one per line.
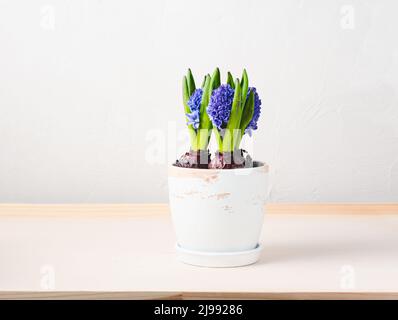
point(198, 122)
point(188, 88)
point(232, 111)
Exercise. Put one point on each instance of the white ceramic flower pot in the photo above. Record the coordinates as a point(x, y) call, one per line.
point(218, 214)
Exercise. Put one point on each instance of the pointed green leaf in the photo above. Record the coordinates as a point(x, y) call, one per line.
point(248, 112)
point(236, 109)
point(234, 119)
point(203, 82)
point(245, 86)
point(185, 94)
point(230, 80)
point(185, 98)
point(205, 122)
point(191, 82)
point(215, 79)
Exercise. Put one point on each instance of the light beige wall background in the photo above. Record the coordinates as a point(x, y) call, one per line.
point(90, 101)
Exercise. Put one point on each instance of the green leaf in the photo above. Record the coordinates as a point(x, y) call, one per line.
point(248, 112)
point(191, 82)
point(227, 142)
point(230, 80)
point(234, 119)
point(193, 138)
point(236, 110)
point(215, 79)
point(245, 86)
point(185, 98)
point(205, 122)
point(247, 115)
point(218, 138)
point(203, 82)
point(185, 94)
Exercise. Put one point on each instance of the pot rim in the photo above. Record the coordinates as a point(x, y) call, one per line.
point(260, 165)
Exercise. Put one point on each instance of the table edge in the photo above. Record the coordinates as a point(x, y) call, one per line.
point(154, 209)
point(135, 295)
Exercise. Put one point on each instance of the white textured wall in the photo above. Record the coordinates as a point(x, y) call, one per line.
point(87, 86)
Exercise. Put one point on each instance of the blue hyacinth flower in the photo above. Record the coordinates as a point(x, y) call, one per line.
point(219, 108)
point(257, 110)
point(193, 119)
point(193, 103)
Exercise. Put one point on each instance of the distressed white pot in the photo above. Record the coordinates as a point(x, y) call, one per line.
point(218, 214)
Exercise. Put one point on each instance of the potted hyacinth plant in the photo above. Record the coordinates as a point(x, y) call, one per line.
point(198, 122)
point(217, 200)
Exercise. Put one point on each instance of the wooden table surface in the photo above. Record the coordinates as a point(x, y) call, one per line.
point(127, 251)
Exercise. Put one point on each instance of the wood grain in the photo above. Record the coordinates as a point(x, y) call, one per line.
point(153, 209)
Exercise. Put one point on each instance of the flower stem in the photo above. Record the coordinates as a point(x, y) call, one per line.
point(203, 138)
point(218, 139)
point(193, 138)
